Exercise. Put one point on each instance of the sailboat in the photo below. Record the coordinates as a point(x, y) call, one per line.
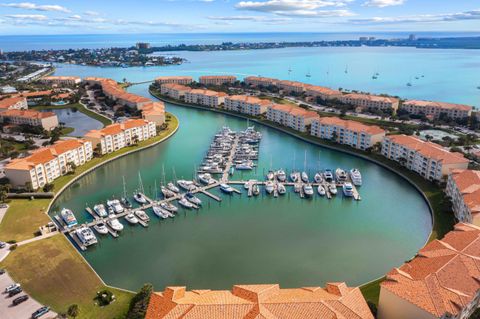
point(139, 195)
point(346, 69)
point(289, 70)
point(409, 82)
point(124, 199)
point(308, 75)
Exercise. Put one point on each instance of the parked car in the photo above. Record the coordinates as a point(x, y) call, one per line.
point(15, 291)
point(2, 271)
point(3, 206)
point(3, 244)
point(40, 312)
point(19, 300)
point(11, 287)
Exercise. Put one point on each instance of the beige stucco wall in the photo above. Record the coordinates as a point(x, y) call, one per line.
point(447, 168)
point(18, 178)
point(391, 306)
point(50, 123)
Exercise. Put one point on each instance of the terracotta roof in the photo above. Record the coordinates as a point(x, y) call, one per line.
point(226, 77)
point(8, 102)
point(260, 79)
point(351, 125)
point(292, 83)
point(249, 99)
point(440, 105)
point(116, 128)
point(174, 78)
point(208, 92)
point(27, 114)
point(371, 97)
point(335, 301)
point(468, 183)
point(428, 149)
point(322, 90)
point(294, 110)
point(36, 93)
point(445, 275)
point(177, 87)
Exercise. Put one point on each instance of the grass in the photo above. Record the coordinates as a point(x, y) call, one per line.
point(104, 120)
point(67, 130)
point(63, 278)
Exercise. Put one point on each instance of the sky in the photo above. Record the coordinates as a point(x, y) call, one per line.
point(201, 16)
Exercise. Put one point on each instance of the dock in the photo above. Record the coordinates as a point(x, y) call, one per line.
point(74, 237)
point(215, 197)
point(92, 213)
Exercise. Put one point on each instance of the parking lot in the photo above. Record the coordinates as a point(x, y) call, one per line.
point(23, 310)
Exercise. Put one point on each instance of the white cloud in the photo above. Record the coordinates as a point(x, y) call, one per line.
point(466, 15)
point(26, 17)
point(92, 13)
point(247, 18)
point(36, 7)
point(383, 3)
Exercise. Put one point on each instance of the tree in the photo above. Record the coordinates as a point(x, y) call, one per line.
point(139, 303)
point(73, 311)
point(4, 189)
point(48, 187)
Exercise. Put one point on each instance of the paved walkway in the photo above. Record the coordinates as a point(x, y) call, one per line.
point(2, 213)
point(23, 310)
point(31, 240)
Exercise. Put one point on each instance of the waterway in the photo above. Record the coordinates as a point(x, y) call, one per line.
point(77, 120)
point(286, 240)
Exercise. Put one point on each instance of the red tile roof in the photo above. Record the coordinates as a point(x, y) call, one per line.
point(27, 114)
point(116, 128)
point(351, 125)
point(249, 99)
point(440, 105)
point(10, 101)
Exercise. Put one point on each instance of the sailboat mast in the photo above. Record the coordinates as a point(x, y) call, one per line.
point(141, 184)
point(124, 187)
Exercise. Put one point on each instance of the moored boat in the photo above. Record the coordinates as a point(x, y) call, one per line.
point(347, 189)
point(255, 190)
point(270, 175)
point(281, 176)
point(269, 187)
point(140, 198)
point(304, 177)
point(318, 178)
point(131, 219)
point(226, 188)
point(321, 190)
point(206, 178)
point(125, 202)
point(186, 185)
point(101, 228)
point(328, 175)
point(160, 212)
point(185, 203)
point(332, 188)
point(100, 210)
point(115, 205)
point(141, 215)
point(294, 176)
point(169, 206)
point(307, 190)
point(68, 217)
point(193, 199)
point(281, 189)
point(356, 177)
point(172, 187)
point(86, 236)
point(340, 175)
point(115, 224)
point(166, 192)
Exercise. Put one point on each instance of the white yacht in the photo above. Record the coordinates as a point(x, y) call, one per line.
point(250, 182)
point(255, 190)
point(270, 175)
point(185, 203)
point(173, 188)
point(332, 188)
point(68, 217)
point(269, 186)
point(115, 224)
point(294, 176)
point(131, 219)
point(100, 210)
point(193, 199)
point(186, 185)
point(328, 175)
point(281, 189)
point(115, 205)
point(160, 212)
point(140, 198)
point(141, 215)
point(244, 166)
point(226, 188)
point(125, 202)
point(101, 228)
point(304, 177)
point(86, 236)
point(356, 177)
point(169, 206)
point(321, 191)
point(348, 189)
point(166, 192)
point(318, 178)
point(341, 175)
point(281, 176)
point(206, 178)
point(307, 190)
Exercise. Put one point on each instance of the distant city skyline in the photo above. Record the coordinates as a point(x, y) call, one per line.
point(200, 16)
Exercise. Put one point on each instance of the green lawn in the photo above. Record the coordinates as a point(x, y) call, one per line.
point(104, 120)
point(54, 273)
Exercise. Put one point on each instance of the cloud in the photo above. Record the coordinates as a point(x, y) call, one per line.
point(383, 3)
point(26, 17)
point(297, 8)
point(247, 18)
point(36, 7)
point(466, 15)
point(91, 13)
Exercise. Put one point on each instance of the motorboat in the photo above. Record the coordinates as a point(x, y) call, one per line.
point(270, 175)
point(255, 190)
point(169, 206)
point(160, 212)
point(115, 224)
point(307, 190)
point(318, 178)
point(321, 190)
point(115, 205)
point(250, 182)
point(173, 188)
point(101, 228)
point(328, 175)
point(186, 185)
point(68, 217)
point(100, 210)
point(281, 176)
point(86, 236)
point(141, 215)
point(304, 177)
point(140, 198)
point(232, 171)
point(226, 188)
point(356, 177)
point(294, 176)
point(341, 175)
point(347, 189)
point(185, 203)
point(131, 219)
point(206, 178)
point(332, 188)
point(193, 199)
point(125, 202)
point(281, 189)
point(244, 166)
point(269, 187)
point(166, 192)
point(111, 211)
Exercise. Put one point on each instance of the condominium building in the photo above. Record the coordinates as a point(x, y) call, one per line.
point(260, 81)
point(175, 91)
point(369, 101)
point(217, 79)
point(205, 97)
point(61, 80)
point(46, 164)
point(245, 104)
point(47, 120)
point(154, 112)
point(323, 93)
point(463, 188)
point(347, 132)
point(441, 282)
point(336, 300)
point(291, 116)
point(435, 109)
point(13, 103)
point(183, 80)
point(430, 160)
point(119, 135)
point(291, 86)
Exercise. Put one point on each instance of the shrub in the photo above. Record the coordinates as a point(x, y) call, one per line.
point(104, 297)
point(139, 303)
point(13, 247)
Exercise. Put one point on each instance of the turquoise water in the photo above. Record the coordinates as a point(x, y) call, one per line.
point(449, 75)
point(79, 121)
point(286, 240)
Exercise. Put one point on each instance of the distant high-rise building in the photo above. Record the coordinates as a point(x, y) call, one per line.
point(143, 45)
point(412, 37)
point(363, 39)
